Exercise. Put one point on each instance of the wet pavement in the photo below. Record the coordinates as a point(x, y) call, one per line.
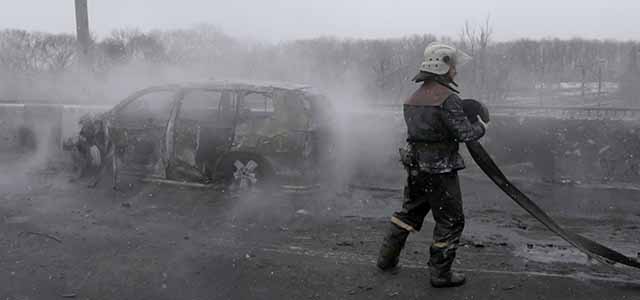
point(63, 240)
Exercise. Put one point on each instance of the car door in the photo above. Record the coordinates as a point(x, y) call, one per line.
point(138, 129)
point(273, 125)
point(204, 129)
point(294, 114)
point(257, 129)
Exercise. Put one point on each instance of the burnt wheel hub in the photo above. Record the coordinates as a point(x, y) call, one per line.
point(245, 174)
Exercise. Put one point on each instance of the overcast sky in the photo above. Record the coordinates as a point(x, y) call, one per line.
point(277, 20)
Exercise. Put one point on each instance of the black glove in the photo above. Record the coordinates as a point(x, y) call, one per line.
point(474, 109)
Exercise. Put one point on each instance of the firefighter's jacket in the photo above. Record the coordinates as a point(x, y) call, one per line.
point(436, 125)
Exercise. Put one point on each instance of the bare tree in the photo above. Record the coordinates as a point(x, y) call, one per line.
point(57, 52)
point(476, 41)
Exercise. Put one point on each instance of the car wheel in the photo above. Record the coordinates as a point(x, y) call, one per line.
point(245, 171)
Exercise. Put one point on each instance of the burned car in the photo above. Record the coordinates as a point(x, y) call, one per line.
point(233, 132)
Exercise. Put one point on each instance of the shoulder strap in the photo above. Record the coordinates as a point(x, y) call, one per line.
point(447, 85)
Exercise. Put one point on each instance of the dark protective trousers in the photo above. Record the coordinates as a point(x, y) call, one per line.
point(440, 194)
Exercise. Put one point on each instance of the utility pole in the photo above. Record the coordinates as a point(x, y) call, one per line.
point(599, 84)
point(82, 31)
point(601, 65)
point(583, 72)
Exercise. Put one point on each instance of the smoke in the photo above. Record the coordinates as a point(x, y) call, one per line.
point(365, 142)
point(356, 76)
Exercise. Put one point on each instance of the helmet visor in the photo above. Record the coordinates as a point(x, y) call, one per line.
point(460, 58)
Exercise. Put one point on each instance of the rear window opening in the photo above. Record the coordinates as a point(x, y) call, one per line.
point(154, 106)
point(201, 105)
point(258, 103)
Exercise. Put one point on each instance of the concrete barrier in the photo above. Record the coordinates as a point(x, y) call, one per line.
point(567, 150)
point(40, 127)
point(11, 122)
point(543, 146)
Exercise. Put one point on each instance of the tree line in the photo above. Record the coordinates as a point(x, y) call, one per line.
point(378, 69)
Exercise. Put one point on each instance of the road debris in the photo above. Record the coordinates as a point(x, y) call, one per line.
point(41, 234)
point(360, 289)
point(374, 188)
point(69, 295)
point(345, 244)
point(303, 212)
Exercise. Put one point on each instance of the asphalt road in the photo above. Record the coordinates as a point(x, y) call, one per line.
point(62, 240)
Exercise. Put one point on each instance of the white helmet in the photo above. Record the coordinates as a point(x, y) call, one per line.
point(438, 58)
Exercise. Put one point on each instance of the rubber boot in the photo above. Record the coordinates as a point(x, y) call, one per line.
point(391, 247)
point(447, 279)
point(440, 268)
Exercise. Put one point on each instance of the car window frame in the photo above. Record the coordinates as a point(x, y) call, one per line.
point(185, 92)
point(117, 110)
point(267, 95)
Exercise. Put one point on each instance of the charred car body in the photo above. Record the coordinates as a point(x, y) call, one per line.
point(235, 132)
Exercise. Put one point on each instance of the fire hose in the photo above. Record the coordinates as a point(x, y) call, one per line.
point(591, 248)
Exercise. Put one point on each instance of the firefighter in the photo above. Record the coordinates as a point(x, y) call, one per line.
point(436, 125)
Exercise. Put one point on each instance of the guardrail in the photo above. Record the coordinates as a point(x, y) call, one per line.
point(553, 111)
point(20, 122)
point(571, 112)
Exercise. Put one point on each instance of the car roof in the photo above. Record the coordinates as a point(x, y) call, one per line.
point(255, 86)
point(258, 86)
